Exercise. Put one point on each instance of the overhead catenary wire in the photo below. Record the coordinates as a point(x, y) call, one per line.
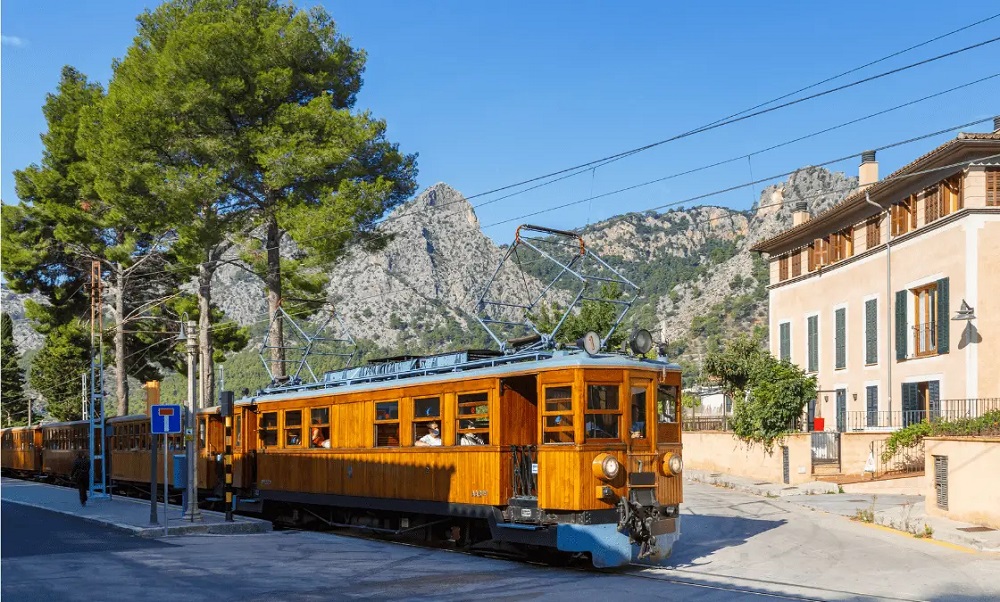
point(738, 186)
point(737, 117)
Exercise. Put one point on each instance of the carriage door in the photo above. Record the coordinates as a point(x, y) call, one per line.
point(244, 448)
point(519, 433)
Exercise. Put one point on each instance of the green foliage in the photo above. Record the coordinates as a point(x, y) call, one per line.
point(769, 395)
point(15, 401)
point(55, 371)
point(250, 105)
point(913, 435)
point(594, 316)
point(39, 234)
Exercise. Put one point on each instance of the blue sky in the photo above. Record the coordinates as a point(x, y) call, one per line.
point(492, 93)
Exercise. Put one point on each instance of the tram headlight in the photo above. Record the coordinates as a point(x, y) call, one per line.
point(672, 464)
point(606, 467)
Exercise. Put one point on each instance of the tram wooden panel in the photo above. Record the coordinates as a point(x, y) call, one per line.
point(464, 475)
point(566, 480)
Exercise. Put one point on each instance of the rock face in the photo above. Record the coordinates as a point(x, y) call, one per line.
point(419, 293)
point(24, 335)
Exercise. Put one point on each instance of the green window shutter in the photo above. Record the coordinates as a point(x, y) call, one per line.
point(871, 331)
point(943, 317)
point(911, 404)
point(901, 325)
point(785, 341)
point(813, 328)
point(871, 393)
point(934, 399)
point(840, 317)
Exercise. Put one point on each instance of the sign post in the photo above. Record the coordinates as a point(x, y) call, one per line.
point(165, 420)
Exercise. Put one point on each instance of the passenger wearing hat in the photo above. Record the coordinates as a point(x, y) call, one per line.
point(471, 438)
point(432, 438)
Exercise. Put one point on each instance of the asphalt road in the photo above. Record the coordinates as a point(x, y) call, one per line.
point(733, 546)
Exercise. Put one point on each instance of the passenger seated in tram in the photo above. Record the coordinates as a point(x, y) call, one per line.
point(470, 438)
point(638, 429)
point(318, 438)
point(432, 438)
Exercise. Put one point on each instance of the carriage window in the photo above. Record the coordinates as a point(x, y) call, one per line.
point(666, 403)
point(603, 412)
point(269, 428)
point(473, 419)
point(133, 439)
point(293, 428)
point(426, 412)
point(238, 431)
point(201, 433)
point(557, 425)
point(319, 436)
point(638, 428)
point(387, 424)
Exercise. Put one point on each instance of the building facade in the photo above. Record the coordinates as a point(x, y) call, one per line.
point(873, 296)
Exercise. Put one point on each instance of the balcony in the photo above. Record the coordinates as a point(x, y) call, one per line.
point(945, 409)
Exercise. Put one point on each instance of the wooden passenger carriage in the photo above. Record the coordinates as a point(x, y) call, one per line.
point(544, 423)
point(21, 449)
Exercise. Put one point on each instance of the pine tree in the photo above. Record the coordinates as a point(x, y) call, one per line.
point(14, 399)
point(237, 116)
point(56, 369)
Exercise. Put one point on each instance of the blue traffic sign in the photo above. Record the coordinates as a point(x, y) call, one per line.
point(165, 420)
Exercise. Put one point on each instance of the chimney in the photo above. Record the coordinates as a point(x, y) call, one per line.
point(800, 213)
point(868, 172)
point(996, 124)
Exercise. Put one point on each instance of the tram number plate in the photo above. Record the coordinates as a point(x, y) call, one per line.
point(479, 493)
point(534, 468)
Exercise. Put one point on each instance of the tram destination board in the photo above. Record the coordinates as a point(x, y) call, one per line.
point(165, 420)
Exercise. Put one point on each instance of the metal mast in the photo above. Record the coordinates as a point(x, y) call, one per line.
point(98, 474)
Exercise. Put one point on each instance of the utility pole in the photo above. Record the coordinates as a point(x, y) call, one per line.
point(192, 513)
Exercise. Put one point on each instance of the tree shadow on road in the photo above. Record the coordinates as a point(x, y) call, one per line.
point(704, 534)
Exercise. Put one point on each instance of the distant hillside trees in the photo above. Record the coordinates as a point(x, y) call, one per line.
point(238, 117)
point(15, 400)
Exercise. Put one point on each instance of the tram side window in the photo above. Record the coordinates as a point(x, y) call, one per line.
point(201, 433)
point(557, 425)
point(473, 419)
point(666, 403)
point(387, 424)
point(269, 429)
point(427, 412)
point(639, 427)
point(293, 428)
point(319, 436)
point(604, 413)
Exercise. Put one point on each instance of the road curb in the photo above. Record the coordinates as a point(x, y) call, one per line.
point(242, 527)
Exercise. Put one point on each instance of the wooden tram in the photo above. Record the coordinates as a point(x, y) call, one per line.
point(571, 452)
point(537, 448)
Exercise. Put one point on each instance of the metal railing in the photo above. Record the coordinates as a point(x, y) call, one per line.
point(904, 461)
point(724, 423)
point(945, 409)
point(524, 473)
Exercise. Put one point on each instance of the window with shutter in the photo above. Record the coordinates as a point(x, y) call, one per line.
point(783, 267)
point(932, 205)
point(871, 332)
point(840, 324)
point(812, 326)
point(930, 318)
point(912, 412)
point(951, 194)
point(873, 236)
point(871, 405)
point(943, 316)
point(796, 263)
point(785, 341)
point(993, 188)
point(901, 337)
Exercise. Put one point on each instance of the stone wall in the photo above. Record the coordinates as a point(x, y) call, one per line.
point(721, 452)
point(973, 478)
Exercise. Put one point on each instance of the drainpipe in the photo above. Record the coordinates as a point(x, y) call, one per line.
point(888, 295)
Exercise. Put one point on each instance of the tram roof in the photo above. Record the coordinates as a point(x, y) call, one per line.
point(447, 368)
